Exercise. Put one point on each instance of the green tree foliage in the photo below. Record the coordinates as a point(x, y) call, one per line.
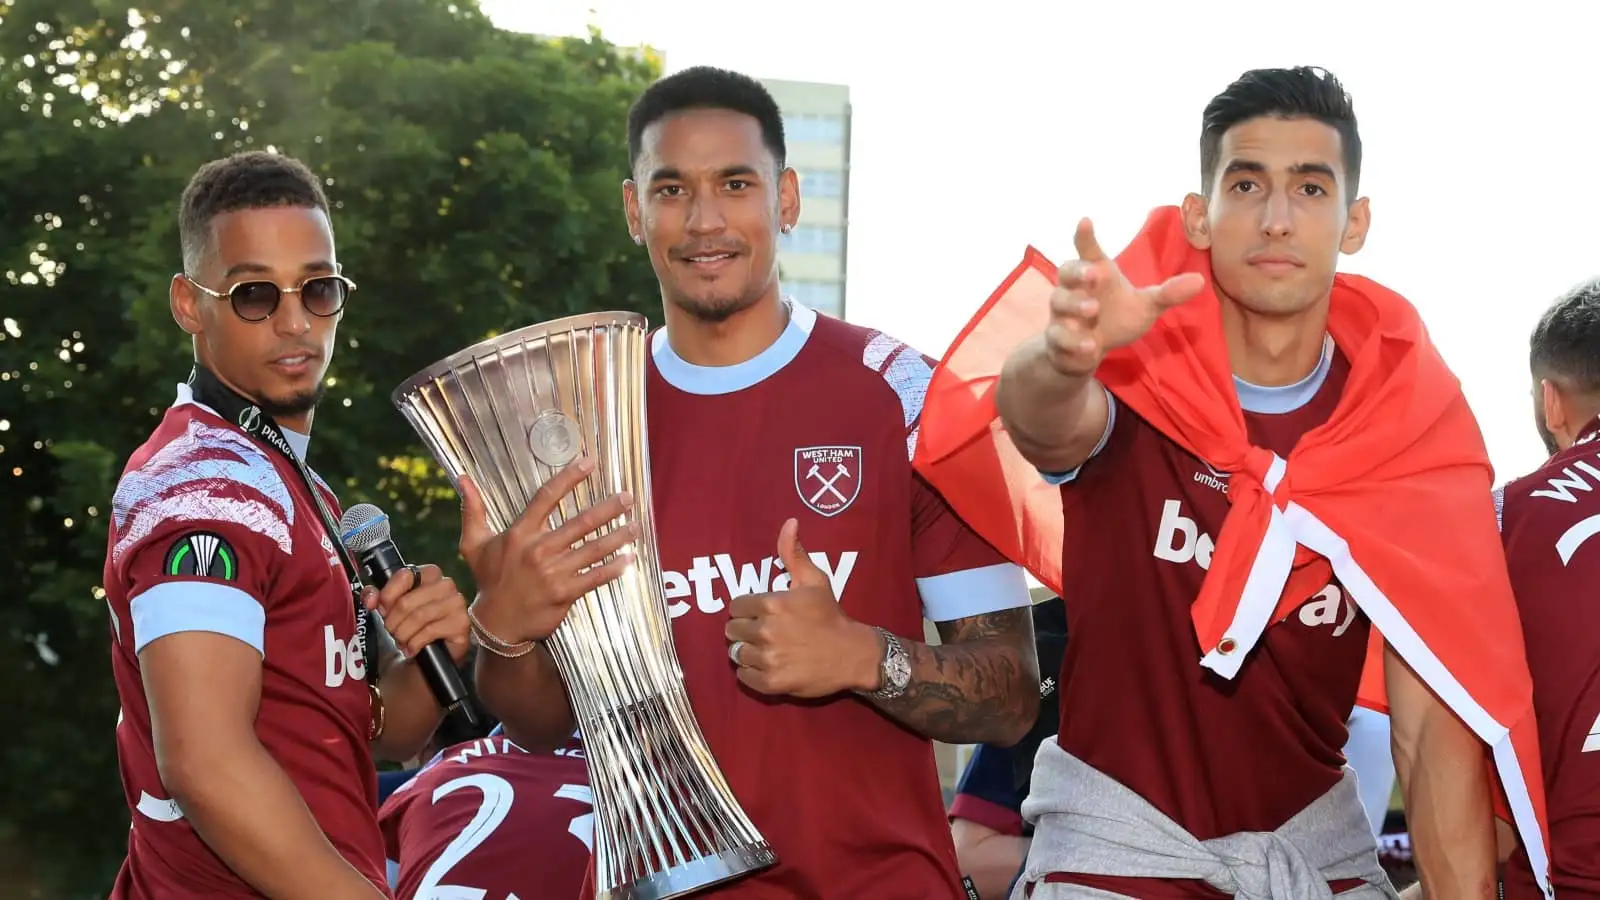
point(475, 175)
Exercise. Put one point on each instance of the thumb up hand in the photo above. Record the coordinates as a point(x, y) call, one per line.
point(793, 642)
point(803, 571)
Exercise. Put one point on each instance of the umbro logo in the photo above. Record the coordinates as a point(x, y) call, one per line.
point(1212, 478)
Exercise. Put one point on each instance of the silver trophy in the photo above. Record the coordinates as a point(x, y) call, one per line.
point(511, 412)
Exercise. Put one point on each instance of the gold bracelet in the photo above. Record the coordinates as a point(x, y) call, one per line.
point(375, 730)
point(483, 638)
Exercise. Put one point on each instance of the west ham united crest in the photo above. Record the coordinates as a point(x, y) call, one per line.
point(203, 555)
point(828, 478)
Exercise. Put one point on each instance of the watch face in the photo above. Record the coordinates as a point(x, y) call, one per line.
point(899, 670)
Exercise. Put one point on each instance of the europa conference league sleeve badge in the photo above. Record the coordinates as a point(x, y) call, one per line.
point(202, 554)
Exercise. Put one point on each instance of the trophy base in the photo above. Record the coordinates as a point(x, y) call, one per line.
point(698, 875)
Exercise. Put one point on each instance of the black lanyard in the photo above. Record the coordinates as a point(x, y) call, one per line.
point(208, 390)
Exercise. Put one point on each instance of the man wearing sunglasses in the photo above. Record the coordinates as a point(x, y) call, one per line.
point(240, 646)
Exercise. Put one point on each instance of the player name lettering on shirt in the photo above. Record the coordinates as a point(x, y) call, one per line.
point(1571, 479)
point(738, 579)
point(343, 658)
point(1576, 482)
point(489, 746)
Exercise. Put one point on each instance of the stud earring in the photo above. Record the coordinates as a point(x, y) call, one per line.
point(639, 239)
point(786, 228)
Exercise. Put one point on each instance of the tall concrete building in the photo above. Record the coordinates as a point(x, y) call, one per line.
point(816, 124)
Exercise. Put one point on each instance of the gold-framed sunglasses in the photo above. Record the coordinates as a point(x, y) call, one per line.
point(256, 301)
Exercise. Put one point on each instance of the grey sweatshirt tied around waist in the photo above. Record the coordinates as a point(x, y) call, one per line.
point(1086, 822)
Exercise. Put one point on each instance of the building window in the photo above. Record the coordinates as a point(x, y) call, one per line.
point(821, 183)
point(822, 296)
point(825, 239)
point(814, 129)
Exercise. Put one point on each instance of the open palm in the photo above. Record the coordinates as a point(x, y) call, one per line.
point(1095, 309)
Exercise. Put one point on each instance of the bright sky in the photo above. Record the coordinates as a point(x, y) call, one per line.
point(981, 128)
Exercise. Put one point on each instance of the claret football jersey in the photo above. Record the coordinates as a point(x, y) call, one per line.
point(820, 427)
point(211, 532)
point(488, 819)
point(1218, 756)
point(1550, 524)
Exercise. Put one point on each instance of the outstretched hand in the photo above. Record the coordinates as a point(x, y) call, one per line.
point(799, 642)
point(1095, 309)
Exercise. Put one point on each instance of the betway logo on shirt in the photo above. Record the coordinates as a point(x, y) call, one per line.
point(342, 659)
point(1180, 540)
point(711, 581)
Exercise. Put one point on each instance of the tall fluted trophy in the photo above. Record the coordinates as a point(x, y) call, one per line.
point(511, 412)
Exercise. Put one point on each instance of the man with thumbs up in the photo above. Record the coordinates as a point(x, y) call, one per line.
point(797, 642)
point(800, 553)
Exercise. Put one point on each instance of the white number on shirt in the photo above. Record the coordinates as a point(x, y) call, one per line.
point(495, 806)
point(582, 827)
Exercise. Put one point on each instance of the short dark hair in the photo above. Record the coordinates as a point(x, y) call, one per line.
point(1565, 345)
point(1303, 92)
point(253, 179)
point(705, 87)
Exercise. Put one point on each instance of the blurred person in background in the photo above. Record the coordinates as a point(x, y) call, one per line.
point(986, 822)
point(487, 818)
point(455, 729)
point(247, 673)
point(1549, 522)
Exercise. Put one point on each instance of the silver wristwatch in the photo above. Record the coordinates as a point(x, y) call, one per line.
point(894, 669)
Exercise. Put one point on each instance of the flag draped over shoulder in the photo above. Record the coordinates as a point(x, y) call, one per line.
point(1392, 494)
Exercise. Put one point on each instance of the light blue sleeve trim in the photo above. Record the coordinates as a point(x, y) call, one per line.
point(176, 606)
point(1060, 478)
point(393, 870)
point(973, 592)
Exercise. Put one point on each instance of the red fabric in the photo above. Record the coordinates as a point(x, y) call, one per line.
point(1401, 456)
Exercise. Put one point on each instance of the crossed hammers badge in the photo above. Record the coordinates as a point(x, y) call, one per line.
point(828, 479)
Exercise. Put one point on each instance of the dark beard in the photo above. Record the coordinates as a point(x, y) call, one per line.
point(717, 312)
point(297, 405)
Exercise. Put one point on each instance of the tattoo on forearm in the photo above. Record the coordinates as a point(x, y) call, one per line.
point(980, 685)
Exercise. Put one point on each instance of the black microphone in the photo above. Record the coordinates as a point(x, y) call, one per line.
point(364, 530)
